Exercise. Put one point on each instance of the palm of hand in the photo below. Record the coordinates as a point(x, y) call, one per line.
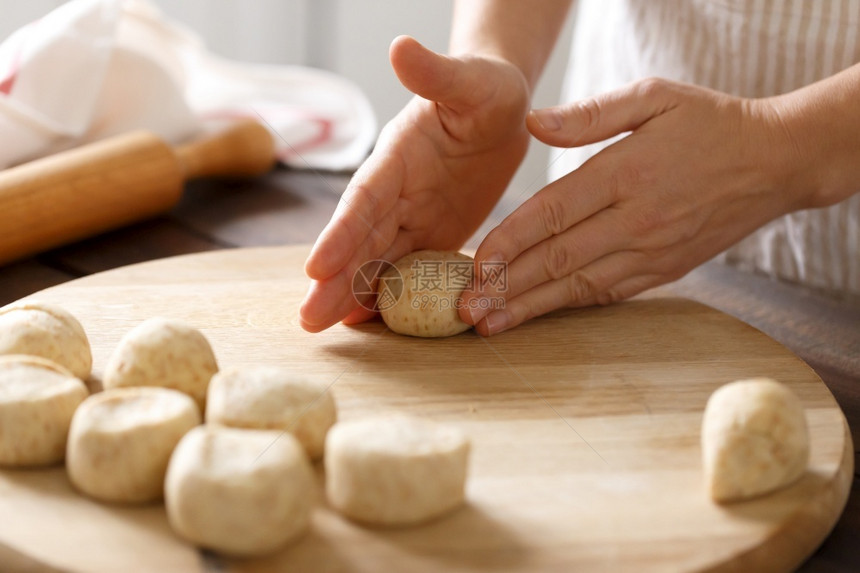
point(456, 166)
point(435, 174)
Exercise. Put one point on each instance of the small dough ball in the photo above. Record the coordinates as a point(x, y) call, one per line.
point(395, 471)
point(162, 352)
point(121, 440)
point(754, 439)
point(239, 492)
point(45, 330)
point(37, 400)
point(426, 291)
point(273, 398)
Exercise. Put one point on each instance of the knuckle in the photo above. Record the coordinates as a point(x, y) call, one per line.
point(647, 220)
point(610, 296)
point(590, 110)
point(651, 86)
point(552, 216)
point(387, 132)
point(653, 259)
point(503, 240)
point(615, 186)
point(580, 288)
point(633, 175)
point(629, 179)
point(557, 261)
point(371, 200)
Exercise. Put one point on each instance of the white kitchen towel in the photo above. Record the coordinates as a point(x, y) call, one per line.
point(95, 68)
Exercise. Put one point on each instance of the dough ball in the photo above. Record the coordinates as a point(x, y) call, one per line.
point(162, 352)
point(45, 330)
point(121, 440)
point(238, 492)
point(273, 398)
point(754, 439)
point(395, 471)
point(37, 400)
point(425, 286)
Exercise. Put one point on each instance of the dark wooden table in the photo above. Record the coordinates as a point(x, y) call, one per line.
point(293, 206)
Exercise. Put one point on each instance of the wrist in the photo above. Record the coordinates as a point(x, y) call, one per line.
point(819, 143)
point(784, 156)
point(519, 33)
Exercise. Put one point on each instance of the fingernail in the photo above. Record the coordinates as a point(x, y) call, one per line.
point(497, 321)
point(547, 118)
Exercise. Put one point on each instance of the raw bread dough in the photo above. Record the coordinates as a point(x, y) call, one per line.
point(273, 398)
point(754, 439)
point(395, 471)
point(120, 442)
point(46, 330)
point(425, 286)
point(37, 400)
point(237, 491)
point(162, 352)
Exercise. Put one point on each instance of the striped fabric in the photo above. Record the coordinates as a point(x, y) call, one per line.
point(749, 48)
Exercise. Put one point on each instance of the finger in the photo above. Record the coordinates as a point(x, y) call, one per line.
point(369, 198)
point(331, 300)
point(551, 211)
point(320, 309)
point(433, 76)
point(603, 116)
point(367, 308)
point(549, 260)
point(629, 288)
point(593, 284)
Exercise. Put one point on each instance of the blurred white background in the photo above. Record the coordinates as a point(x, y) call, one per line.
point(350, 37)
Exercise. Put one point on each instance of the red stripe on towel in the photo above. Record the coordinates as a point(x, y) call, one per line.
point(8, 82)
point(326, 129)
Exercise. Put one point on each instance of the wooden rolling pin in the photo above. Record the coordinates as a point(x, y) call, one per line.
point(104, 185)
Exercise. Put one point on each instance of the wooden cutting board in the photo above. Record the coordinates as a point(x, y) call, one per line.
point(584, 424)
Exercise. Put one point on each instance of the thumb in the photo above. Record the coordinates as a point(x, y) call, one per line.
point(603, 116)
point(430, 75)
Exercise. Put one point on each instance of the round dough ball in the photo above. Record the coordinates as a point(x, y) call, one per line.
point(754, 439)
point(238, 492)
point(395, 471)
point(37, 401)
point(273, 398)
point(45, 330)
point(162, 352)
point(425, 286)
point(120, 442)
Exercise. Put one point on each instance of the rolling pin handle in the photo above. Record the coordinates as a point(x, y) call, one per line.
point(245, 149)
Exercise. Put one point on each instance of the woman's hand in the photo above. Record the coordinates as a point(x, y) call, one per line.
point(699, 171)
point(438, 169)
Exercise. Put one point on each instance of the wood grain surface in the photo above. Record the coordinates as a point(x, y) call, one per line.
point(585, 430)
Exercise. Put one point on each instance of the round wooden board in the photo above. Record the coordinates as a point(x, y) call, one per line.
point(584, 426)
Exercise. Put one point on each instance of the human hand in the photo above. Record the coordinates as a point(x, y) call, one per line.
point(435, 174)
point(699, 171)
